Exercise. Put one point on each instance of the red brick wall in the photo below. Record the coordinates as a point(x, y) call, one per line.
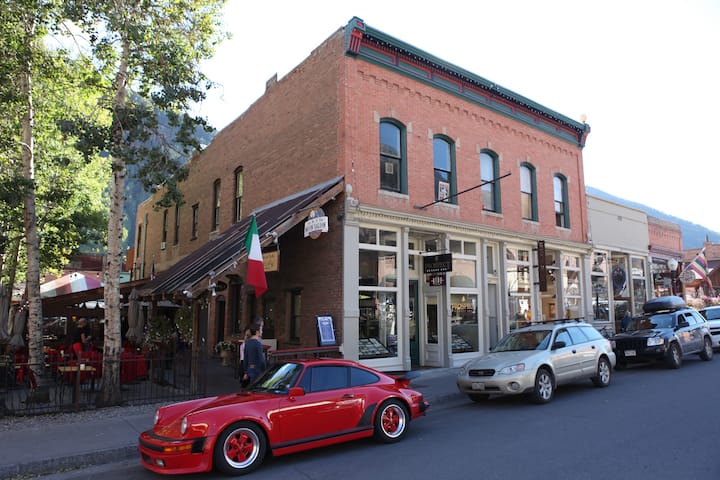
point(374, 92)
point(287, 141)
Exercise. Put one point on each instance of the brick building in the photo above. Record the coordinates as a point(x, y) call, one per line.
point(456, 209)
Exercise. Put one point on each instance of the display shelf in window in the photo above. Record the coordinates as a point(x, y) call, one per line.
point(460, 345)
point(371, 347)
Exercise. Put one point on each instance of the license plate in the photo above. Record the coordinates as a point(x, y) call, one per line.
point(630, 353)
point(478, 386)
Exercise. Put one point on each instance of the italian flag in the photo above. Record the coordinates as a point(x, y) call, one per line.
point(255, 267)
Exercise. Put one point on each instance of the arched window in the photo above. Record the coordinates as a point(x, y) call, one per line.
point(216, 205)
point(562, 216)
point(489, 171)
point(444, 163)
point(528, 195)
point(238, 194)
point(393, 165)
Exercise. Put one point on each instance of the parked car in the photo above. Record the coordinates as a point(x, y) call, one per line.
point(536, 359)
point(294, 406)
point(666, 331)
point(712, 315)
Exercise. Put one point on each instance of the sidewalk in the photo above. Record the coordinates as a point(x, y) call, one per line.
point(45, 447)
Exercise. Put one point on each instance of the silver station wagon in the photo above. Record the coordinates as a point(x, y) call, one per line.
point(536, 359)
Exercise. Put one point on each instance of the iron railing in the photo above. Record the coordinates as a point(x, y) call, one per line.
point(62, 384)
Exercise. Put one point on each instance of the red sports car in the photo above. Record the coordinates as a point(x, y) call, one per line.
point(293, 406)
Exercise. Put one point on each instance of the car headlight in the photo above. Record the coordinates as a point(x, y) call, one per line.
point(518, 367)
point(183, 426)
point(462, 372)
point(654, 341)
point(157, 417)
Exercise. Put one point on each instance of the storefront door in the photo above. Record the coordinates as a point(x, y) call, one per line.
point(432, 323)
point(414, 329)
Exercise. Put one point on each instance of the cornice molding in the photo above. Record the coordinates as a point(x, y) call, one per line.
point(381, 49)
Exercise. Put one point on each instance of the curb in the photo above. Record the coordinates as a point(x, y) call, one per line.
point(71, 462)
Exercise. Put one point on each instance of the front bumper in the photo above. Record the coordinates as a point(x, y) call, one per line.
point(640, 354)
point(497, 384)
point(174, 456)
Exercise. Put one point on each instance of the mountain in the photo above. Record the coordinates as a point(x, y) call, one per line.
point(693, 235)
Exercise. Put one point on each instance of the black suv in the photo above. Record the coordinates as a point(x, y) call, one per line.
point(665, 332)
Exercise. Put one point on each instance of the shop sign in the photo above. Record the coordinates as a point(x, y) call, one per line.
point(316, 224)
point(436, 279)
point(687, 276)
point(438, 263)
point(271, 261)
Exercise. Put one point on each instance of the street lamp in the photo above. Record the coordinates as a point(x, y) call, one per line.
point(672, 265)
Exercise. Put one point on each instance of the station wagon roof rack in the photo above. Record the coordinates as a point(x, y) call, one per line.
point(560, 320)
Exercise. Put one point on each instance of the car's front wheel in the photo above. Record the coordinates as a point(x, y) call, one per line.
point(602, 379)
point(674, 356)
point(391, 421)
point(240, 449)
point(544, 386)
point(707, 351)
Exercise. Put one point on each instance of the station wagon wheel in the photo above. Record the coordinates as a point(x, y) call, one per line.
point(543, 391)
point(674, 357)
point(707, 351)
point(239, 449)
point(602, 379)
point(391, 421)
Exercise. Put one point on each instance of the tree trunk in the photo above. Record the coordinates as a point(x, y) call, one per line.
point(110, 394)
point(35, 318)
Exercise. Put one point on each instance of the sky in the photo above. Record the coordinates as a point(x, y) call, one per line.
point(645, 74)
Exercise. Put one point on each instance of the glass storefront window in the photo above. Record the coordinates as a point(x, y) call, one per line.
point(378, 324)
point(463, 273)
point(368, 235)
point(639, 294)
point(601, 305)
point(517, 277)
point(378, 269)
point(571, 286)
point(464, 323)
point(599, 263)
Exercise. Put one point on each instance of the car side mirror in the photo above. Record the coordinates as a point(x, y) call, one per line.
point(558, 344)
point(296, 392)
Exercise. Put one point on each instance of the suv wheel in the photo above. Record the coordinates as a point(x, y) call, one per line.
point(674, 357)
point(544, 386)
point(707, 351)
point(602, 379)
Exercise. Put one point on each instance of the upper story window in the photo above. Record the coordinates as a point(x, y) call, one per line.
point(195, 218)
point(528, 195)
point(562, 216)
point(393, 166)
point(216, 205)
point(164, 228)
point(176, 230)
point(444, 164)
point(238, 195)
point(489, 171)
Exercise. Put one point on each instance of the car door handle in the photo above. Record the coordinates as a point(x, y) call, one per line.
point(574, 351)
point(593, 347)
point(348, 395)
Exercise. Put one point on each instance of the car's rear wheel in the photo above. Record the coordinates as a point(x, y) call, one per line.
point(602, 379)
point(707, 351)
point(240, 449)
point(674, 356)
point(478, 397)
point(544, 386)
point(391, 421)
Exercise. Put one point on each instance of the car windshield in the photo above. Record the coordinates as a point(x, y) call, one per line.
point(277, 379)
point(661, 320)
point(519, 341)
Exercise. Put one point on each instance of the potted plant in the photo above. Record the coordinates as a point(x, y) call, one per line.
point(224, 349)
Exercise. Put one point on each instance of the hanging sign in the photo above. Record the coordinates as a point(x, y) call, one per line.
point(438, 263)
point(271, 261)
point(316, 224)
